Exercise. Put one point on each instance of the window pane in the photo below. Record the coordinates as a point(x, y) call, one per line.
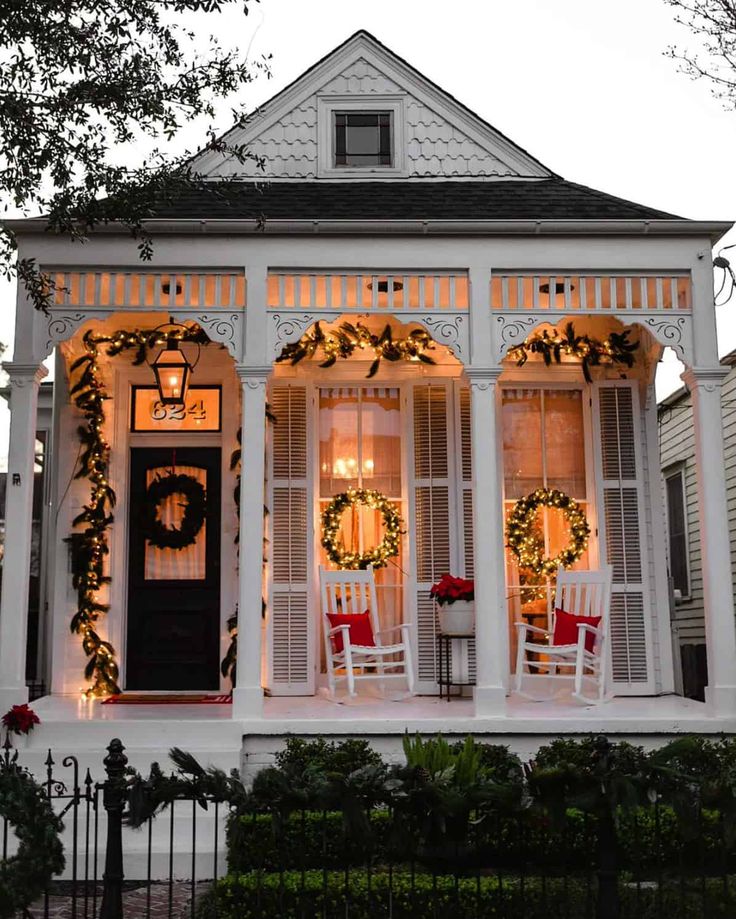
point(564, 441)
point(677, 532)
point(522, 441)
point(363, 139)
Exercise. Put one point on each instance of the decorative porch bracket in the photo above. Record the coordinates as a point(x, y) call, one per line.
point(223, 327)
point(447, 328)
point(672, 330)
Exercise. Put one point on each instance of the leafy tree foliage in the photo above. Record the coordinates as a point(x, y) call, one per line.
point(81, 81)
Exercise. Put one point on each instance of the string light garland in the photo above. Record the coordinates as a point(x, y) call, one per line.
point(591, 352)
point(379, 555)
point(90, 546)
point(348, 338)
point(523, 541)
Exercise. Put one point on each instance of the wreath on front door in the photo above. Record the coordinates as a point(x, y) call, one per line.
point(158, 533)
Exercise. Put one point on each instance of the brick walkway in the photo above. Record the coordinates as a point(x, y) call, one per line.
point(135, 903)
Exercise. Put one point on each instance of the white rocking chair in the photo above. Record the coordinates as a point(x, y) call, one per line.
point(581, 593)
point(350, 593)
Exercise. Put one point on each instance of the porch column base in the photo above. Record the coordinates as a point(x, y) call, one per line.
point(490, 701)
point(12, 695)
point(721, 700)
point(247, 702)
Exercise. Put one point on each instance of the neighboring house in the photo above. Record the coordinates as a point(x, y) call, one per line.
point(389, 204)
point(684, 548)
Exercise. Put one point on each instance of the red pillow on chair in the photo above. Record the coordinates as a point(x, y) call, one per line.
point(566, 629)
point(361, 630)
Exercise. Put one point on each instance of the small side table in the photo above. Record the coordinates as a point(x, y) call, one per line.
point(444, 679)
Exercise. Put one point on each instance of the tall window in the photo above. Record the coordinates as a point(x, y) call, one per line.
point(677, 527)
point(543, 447)
point(360, 447)
point(363, 139)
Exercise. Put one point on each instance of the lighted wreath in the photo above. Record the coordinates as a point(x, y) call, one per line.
point(524, 543)
point(40, 854)
point(379, 555)
point(195, 509)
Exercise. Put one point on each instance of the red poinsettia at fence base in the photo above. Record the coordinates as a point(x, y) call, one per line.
point(450, 589)
point(20, 719)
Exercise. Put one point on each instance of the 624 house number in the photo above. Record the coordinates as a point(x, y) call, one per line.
point(195, 410)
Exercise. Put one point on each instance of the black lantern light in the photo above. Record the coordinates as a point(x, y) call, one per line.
point(172, 370)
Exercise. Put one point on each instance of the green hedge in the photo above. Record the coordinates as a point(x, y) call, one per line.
point(314, 840)
point(297, 895)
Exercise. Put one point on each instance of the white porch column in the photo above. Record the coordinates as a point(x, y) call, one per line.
point(491, 619)
point(248, 694)
point(720, 626)
point(24, 382)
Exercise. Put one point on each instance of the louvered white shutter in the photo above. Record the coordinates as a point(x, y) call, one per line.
point(431, 499)
point(623, 536)
point(291, 669)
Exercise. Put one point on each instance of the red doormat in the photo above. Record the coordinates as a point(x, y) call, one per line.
point(153, 698)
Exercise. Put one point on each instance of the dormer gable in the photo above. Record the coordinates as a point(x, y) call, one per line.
point(362, 112)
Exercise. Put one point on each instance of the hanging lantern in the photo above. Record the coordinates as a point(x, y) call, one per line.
point(171, 369)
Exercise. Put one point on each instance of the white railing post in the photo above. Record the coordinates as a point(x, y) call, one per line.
point(491, 619)
point(248, 694)
point(715, 538)
point(24, 383)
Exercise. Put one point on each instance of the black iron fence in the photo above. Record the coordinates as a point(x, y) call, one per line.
point(303, 863)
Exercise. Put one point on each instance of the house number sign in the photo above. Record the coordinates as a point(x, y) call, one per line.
point(201, 412)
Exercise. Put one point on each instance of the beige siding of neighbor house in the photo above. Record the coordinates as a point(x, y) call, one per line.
point(677, 448)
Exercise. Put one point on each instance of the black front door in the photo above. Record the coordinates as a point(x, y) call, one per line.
point(174, 593)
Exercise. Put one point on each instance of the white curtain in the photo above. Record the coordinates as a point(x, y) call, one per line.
point(187, 564)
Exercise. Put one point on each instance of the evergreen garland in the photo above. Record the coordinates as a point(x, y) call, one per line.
point(40, 854)
point(591, 352)
point(90, 546)
point(348, 338)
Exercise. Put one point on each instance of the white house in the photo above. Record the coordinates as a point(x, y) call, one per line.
point(388, 203)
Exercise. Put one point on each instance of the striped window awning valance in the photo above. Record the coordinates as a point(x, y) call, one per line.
point(363, 292)
point(149, 290)
point(589, 292)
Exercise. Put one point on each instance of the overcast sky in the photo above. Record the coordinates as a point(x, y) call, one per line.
point(583, 86)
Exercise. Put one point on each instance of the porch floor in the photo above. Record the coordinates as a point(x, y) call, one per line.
point(558, 715)
point(371, 713)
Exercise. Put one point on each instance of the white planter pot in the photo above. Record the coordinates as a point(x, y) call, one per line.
point(457, 618)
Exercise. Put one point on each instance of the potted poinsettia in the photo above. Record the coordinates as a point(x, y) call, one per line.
point(455, 598)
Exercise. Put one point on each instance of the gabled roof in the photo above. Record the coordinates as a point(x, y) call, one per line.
point(513, 199)
point(364, 47)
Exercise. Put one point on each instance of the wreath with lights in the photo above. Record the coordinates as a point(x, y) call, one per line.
point(40, 854)
point(192, 521)
point(523, 542)
point(379, 555)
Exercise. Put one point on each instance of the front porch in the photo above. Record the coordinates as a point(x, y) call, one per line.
point(453, 443)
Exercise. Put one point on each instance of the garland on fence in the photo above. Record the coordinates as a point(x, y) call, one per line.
point(524, 542)
point(90, 546)
point(591, 352)
point(40, 854)
point(155, 530)
point(377, 556)
point(348, 338)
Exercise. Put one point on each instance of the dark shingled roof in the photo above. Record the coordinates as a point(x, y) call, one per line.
point(518, 199)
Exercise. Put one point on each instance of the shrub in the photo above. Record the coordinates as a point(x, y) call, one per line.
point(403, 895)
point(343, 757)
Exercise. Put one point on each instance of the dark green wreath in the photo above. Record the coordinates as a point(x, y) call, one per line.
point(195, 510)
point(40, 855)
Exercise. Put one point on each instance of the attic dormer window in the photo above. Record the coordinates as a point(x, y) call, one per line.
point(363, 139)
